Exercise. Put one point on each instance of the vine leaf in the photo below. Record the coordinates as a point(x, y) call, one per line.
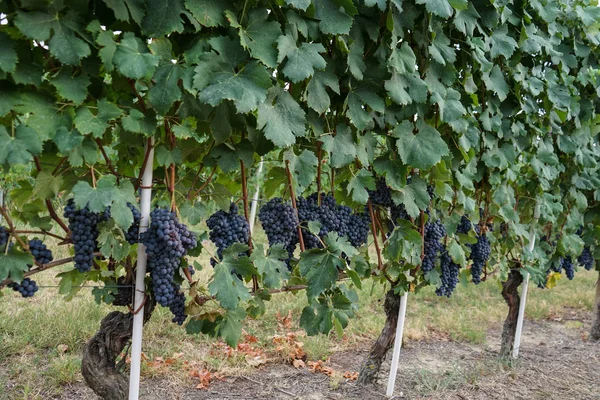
point(341, 146)
point(194, 213)
point(258, 36)
point(111, 241)
point(88, 123)
point(47, 185)
point(227, 288)
point(317, 97)
point(495, 82)
point(21, 148)
point(209, 13)
point(501, 43)
point(71, 88)
point(281, 118)
point(320, 267)
point(127, 9)
point(301, 61)
point(413, 196)
point(441, 8)
point(163, 17)
point(14, 264)
point(334, 20)
point(303, 166)
point(270, 266)
point(359, 184)
point(230, 327)
point(299, 4)
point(8, 55)
point(133, 59)
point(423, 150)
point(166, 90)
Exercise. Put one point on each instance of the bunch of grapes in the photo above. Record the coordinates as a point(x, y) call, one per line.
point(132, 233)
point(480, 253)
point(434, 232)
point(449, 275)
point(177, 308)
point(280, 223)
point(358, 229)
point(3, 238)
point(464, 226)
point(398, 212)
point(42, 255)
point(227, 228)
point(167, 241)
point(586, 259)
point(308, 210)
point(382, 195)
point(567, 264)
point(27, 287)
point(40, 252)
point(84, 233)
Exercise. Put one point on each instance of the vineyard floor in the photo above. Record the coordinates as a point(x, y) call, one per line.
point(450, 350)
point(555, 364)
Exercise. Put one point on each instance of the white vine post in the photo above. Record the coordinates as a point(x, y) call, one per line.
point(397, 345)
point(140, 292)
point(254, 205)
point(517, 342)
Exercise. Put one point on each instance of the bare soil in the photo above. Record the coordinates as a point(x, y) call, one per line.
point(556, 362)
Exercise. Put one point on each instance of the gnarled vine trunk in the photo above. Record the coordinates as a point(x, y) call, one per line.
point(100, 353)
point(511, 296)
point(595, 333)
point(372, 364)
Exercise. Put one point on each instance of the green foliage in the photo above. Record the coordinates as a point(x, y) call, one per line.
point(493, 104)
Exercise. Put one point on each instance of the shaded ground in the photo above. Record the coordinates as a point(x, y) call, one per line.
point(557, 362)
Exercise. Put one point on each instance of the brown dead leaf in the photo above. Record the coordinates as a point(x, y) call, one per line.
point(299, 364)
point(256, 361)
point(350, 375)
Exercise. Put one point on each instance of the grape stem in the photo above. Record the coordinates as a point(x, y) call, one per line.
point(17, 231)
point(11, 227)
point(107, 160)
point(197, 192)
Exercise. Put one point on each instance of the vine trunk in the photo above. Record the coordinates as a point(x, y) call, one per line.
point(510, 292)
point(372, 364)
point(98, 364)
point(595, 333)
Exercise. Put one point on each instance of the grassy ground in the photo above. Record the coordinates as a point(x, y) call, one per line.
point(41, 338)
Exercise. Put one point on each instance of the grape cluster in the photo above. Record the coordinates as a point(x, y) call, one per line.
point(3, 238)
point(567, 264)
point(382, 195)
point(27, 287)
point(434, 232)
point(480, 253)
point(40, 252)
point(358, 229)
point(449, 275)
point(280, 223)
point(167, 241)
point(586, 259)
point(84, 232)
point(132, 233)
point(308, 210)
point(177, 308)
point(227, 228)
point(398, 212)
point(464, 226)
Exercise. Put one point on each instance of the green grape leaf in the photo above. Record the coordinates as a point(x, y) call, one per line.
point(127, 9)
point(466, 20)
point(270, 266)
point(299, 4)
point(341, 147)
point(227, 288)
point(47, 185)
point(301, 61)
point(163, 17)
point(303, 166)
point(317, 97)
point(230, 327)
point(166, 90)
point(456, 253)
point(281, 118)
point(258, 36)
point(339, 245)
point(193, 213)
point(8, 55)
point(21, 148)
point(69, 87)
point(13, 264)
point(165, 157)
point(334, 18)
point(441, 8)
point(317, 318)
point(138, 122)
point(98, 198)
point(320, 267)
point(359, 184)
point(209, 13)
point(111, 241)
point(88, 123)
point(501, 43)
point(423, 150)
point(414, 196)
point(133, 59)
point(441, 50)
point(451, 107)
point(495, 82)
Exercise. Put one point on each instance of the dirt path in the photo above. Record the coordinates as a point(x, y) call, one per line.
point(556, 363)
